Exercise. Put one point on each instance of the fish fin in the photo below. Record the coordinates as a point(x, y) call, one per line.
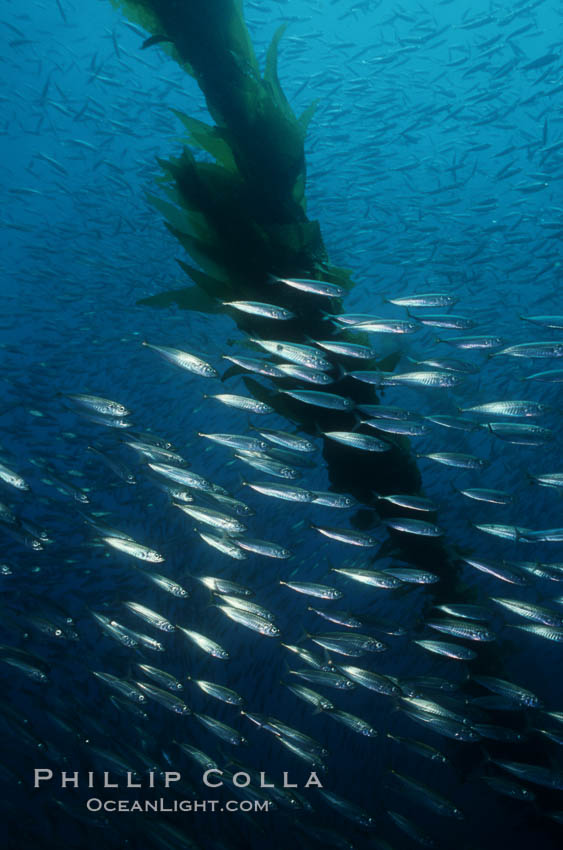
point(341, 372)
point(233, 371)
point(155, 39)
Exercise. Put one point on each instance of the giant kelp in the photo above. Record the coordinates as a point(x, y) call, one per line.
point(234, 198)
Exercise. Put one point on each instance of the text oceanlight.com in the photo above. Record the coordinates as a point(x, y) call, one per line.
point(94, 804)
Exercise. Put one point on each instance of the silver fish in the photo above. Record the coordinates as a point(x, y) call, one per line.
point(217, 519)
point(136, 550)
point(508, 408)
point(223, 585)
point(372, 681)
point(206, 644)
point(462, 629)
point(348, 643)
point(499, 570)
point(303, 355)
point(185, 360)
point(317, 398)
point(372, 577)
point(533, 350)
point(341, 618)
point(256, 365)
point(317, 700)
point(245, 605)
point(447, 320)
point(242, 402)
point(327, 678)
point(314, 287)
point(387, 326)
point(450, 650)
point(219, 692)
point(281, 491)
point(494, 497)
point(356, 440)
point(507, 532)
point(264, 547)
point(303, 373)
point(99, 405)
point(185, 477)
point(483, 342)
point(333, 500)
point(226, 733)
point(428, 299)
point(223, 544)
point(258, 308)
point(415, 526)
point(167, 680)
point(8, 476)
point(321, 591)
point(356, 724)
point(348, 349)
point(294, 442)
point(422, 379)
point(520, 433)
point(237, 441)
point(413, 503)
point(149, 616)
point(347, 535)
point(555, 322)
point(550, 376)
point(530, 611)
point(167, 584)
point(251, 621)
point(168, 700)
point(265, 463)
point(457, 460)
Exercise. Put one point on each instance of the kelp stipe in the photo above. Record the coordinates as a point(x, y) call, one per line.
point(239, 213)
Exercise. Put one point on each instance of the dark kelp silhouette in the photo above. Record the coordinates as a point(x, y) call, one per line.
point(239, 213)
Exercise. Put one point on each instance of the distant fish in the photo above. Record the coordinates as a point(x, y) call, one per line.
point(542, 61)
point(555, 322)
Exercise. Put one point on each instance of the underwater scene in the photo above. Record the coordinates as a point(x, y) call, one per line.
point(281, 466)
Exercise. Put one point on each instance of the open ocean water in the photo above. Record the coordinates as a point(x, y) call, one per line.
point(434, 165)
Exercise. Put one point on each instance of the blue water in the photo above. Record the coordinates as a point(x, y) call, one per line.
point(407, 161)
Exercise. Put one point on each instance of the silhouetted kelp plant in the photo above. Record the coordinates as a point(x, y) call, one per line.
point(239, 212)
point(240, 215)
